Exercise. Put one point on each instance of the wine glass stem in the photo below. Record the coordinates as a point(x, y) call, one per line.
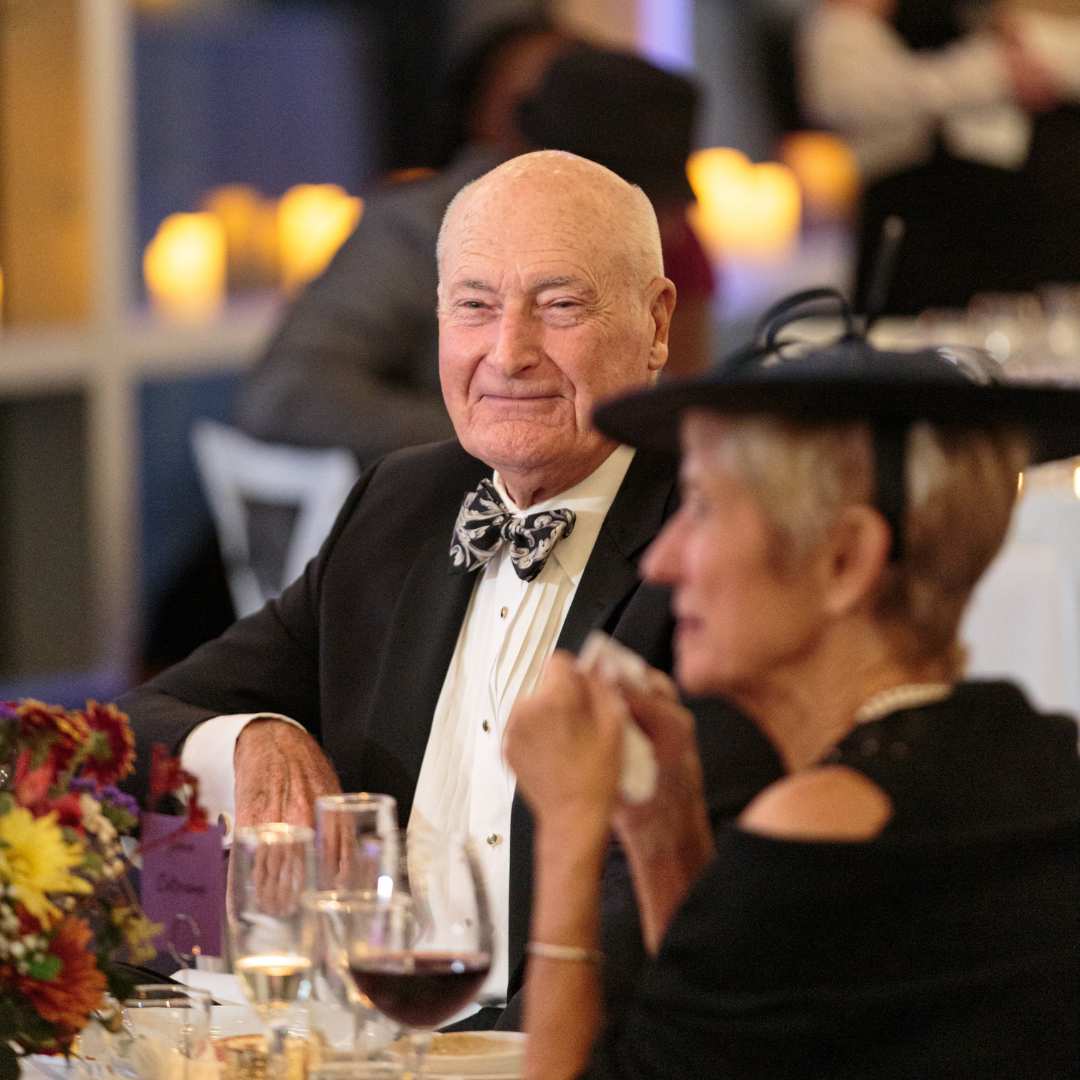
point(420, 1041)
point(277, 1062)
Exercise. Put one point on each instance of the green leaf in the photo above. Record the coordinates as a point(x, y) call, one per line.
point(45, 968)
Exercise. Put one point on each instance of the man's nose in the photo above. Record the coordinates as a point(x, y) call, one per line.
point(517, 344)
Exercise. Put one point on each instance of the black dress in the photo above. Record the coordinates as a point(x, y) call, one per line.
point(947, 947)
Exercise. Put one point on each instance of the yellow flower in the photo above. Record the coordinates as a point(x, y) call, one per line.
point(35, 859)
point(139, 932)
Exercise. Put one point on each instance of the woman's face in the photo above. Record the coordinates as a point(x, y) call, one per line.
point(741, 621)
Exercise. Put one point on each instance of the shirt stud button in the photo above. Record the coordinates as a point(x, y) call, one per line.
point(503, 612)
point(494, 839)
point(486, 725)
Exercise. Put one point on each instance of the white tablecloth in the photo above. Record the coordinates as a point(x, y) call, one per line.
point(1024, 619)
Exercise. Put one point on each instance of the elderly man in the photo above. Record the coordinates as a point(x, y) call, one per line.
point(391, 652)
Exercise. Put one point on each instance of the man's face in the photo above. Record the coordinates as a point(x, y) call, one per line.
point(538, 320)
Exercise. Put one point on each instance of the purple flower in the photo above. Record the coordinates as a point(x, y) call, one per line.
point(109, 794)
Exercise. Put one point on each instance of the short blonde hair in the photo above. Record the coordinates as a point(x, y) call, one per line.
point(960, 488)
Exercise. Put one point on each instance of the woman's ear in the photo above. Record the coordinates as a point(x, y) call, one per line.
point(856, 554)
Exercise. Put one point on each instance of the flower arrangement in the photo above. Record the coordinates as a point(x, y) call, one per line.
point(67, 910)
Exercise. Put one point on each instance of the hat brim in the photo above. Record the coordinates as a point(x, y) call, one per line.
point(651, 419)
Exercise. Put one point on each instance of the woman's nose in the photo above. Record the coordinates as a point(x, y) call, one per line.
point(660, 563)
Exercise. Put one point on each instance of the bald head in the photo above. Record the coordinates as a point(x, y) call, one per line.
point(551, 297)
point(566, 194)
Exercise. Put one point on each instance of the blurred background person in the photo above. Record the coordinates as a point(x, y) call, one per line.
point(965, 125)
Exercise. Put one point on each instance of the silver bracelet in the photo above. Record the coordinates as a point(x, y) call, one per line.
point(573, 953)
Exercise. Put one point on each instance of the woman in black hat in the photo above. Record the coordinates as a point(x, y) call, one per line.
point(904, 902)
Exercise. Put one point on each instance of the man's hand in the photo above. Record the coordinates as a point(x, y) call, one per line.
point(280, 772)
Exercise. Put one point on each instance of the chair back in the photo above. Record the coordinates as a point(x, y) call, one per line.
point(238, 474)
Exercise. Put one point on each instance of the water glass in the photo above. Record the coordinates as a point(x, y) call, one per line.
point(329, 916)
point(166, 1033)
point(273, 866)
point(355, 840)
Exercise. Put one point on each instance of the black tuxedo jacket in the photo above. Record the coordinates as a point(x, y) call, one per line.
point(358, 647)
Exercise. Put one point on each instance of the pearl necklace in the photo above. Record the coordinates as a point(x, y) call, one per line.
point(905, 696)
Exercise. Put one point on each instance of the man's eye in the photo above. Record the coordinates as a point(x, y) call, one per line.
point(472, 305)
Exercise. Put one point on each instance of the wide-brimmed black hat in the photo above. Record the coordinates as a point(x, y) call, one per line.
point(849, 379)
point(619, 110)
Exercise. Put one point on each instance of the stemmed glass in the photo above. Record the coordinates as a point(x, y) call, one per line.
point(166, 1028)
point(421, 952)
point(331, 917)
point(272, 867)
point(356, 836)
point(357, 849)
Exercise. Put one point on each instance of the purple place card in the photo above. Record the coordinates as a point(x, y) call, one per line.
point(183, 884)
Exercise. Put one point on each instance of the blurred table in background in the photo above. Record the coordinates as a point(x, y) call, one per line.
point(1024, 618)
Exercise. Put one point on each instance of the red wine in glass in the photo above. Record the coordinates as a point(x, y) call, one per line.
point(421, 990)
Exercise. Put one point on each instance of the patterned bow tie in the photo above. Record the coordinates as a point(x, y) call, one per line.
point(484, 524)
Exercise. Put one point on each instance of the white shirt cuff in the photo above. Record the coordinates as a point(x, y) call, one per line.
point(207, 754)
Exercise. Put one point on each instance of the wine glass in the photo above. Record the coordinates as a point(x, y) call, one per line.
point(272, 867)
point(355, 840)
point(330, 917)
point(165, 1028)
point(422, 952)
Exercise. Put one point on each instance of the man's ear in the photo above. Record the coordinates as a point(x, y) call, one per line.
point(661, 307)
point(856, 554)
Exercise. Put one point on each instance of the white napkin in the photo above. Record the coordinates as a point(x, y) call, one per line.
point(222, 987)
point(615, 663)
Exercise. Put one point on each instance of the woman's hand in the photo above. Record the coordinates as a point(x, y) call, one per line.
point(679, 789)
point(668, 840)
point(564, 743)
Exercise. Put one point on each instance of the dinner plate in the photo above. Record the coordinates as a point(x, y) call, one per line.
point(493, 1055)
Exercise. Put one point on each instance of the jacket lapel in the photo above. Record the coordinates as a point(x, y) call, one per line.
point(644, 500)
point(430, 610)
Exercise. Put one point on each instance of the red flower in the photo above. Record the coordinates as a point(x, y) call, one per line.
point(167, 776)
point(67, 1000)
point(64, 731)
point(112, 746)
point(197, 821)
point(32, 785)
point(68, 811)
